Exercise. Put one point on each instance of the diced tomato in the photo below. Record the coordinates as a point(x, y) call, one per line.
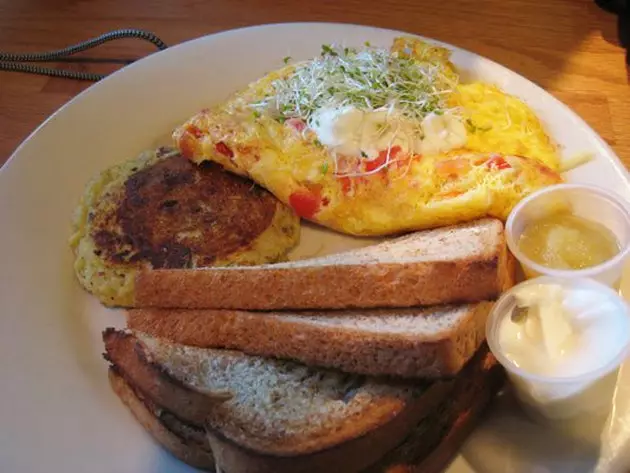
point(306, 203)
point(325, 201)
point(193, 130)
point(497, 162)
point(381, 159)
point(376, 163)
point(297, 124)
point(346, 184)
point(222, 148)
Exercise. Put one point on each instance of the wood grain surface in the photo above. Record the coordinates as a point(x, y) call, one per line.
point(569, 47)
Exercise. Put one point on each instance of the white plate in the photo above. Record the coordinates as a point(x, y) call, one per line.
point(57, 414)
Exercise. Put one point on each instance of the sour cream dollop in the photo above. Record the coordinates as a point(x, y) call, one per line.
point(567, 347)
point(350, 131)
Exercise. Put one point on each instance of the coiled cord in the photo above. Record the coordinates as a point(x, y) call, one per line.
point(14, 62)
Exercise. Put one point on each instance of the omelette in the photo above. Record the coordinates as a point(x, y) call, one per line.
point(159, 210)
point(371, 141)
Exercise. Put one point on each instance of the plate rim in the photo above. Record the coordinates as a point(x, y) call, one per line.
point(610, 152)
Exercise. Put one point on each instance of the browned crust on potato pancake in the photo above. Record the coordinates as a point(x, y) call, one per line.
point(174, 214)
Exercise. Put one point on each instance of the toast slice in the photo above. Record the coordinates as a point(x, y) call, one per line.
point(430, 445)
point(463, 263)
point(429, 448)
point(412, 343)
point(434, 436)
point(184, 441)
point(436, 440)
point(286, 416)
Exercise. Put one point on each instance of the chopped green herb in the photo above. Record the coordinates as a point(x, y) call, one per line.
point(316, 142)
point(367, 44)
point(324, 168)
point(256, 114)
point(286, 59)
point(363, 154)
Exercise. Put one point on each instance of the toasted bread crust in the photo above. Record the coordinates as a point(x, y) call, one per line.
point(432, 449)
point(186, 451)
point(327, 287)
point(330, 346)
point(127, 354)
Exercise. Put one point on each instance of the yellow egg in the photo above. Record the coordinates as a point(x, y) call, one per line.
point(498, 122)
point(507, 156)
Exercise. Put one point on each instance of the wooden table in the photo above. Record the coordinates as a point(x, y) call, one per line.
point(567, 46)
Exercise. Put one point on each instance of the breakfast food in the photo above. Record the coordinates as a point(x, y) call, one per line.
point(412, 343)
point(469, 262)
point(562, 342)
point(377, 142)
point(277, 416)
point(574, 230)
point(161, 211)
point(498, 122)
point(367, 360)
point(563, 240)
point(186, 442)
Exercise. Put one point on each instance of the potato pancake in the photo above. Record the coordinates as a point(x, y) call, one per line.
point(161, 211)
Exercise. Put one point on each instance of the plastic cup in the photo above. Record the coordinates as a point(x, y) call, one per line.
point(589, 202)
point(556, 397)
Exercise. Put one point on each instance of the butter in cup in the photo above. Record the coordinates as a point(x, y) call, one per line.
point(588, 202)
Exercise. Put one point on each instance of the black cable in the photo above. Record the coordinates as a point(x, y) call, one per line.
point(49, 71)
point(14, 62)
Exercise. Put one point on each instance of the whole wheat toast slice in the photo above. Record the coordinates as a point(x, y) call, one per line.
point(463, 263)
point(187, 443)
point(413, 343)
point(430, 443)
point(435, 441)
point(284, 414)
